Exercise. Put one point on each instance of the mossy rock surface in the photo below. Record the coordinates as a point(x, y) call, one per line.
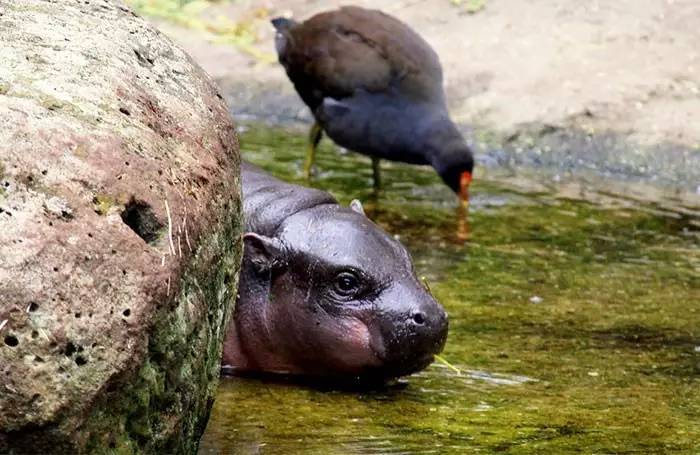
point(119, 233)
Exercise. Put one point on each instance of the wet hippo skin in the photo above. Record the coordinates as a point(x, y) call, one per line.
point(324, 292)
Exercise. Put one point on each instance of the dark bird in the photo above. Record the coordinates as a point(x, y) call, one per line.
point(374, 86)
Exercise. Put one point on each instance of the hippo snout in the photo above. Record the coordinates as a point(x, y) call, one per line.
point(412, 335)
point(430, 327)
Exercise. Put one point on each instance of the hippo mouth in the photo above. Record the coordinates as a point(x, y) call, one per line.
point(396, 369)
point(404, 369)
point(404, 358)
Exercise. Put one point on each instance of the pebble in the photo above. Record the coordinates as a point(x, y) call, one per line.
point(58, 207)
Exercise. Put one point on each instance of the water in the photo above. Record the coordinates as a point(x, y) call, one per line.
point(574, 324)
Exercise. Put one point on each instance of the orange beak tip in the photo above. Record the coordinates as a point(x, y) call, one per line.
point(465, 179)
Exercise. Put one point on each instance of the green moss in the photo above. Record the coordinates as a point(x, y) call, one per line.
point(103, 203)
point(164, 407)
point(612, 344)
point(51, 103)
point(31, 8)
point(192, 14)
point(470, 6)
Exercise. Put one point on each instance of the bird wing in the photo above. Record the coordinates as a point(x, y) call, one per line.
point(338, 52)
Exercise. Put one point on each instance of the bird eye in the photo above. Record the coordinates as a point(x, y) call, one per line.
point(346, 283)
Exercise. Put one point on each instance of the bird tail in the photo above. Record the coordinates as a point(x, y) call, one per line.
point(282, 25)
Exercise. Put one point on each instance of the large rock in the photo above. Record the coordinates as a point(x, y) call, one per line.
point(119, 232)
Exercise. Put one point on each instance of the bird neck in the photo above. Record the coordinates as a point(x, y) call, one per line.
point(442, 141)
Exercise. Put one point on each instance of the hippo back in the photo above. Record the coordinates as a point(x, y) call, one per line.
point(269, 201)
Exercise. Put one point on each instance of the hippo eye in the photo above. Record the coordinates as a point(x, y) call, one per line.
point(346, 283)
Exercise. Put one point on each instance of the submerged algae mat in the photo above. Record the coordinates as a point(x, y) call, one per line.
point(574, 326)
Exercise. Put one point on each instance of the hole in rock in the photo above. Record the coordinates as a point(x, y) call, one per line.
point(70, 349)
point(11, 341)
point(139, 216)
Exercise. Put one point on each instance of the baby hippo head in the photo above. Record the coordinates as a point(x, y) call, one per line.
point(341, 300)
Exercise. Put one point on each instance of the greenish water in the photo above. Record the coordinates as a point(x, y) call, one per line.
point(575, 326)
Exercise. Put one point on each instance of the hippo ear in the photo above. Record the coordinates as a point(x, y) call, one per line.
point(266, 253)
point(356, 206)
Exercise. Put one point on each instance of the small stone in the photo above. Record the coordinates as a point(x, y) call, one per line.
point(535, 299)
point(58, 207)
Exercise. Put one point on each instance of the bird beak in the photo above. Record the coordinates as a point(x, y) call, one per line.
point(465, 179)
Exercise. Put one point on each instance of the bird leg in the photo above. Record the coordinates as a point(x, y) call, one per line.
point(315, 134)
point(463, 231)
point(463, 209)
point(376, 175)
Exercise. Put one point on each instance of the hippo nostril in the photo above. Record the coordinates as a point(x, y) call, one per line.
point(419, 318)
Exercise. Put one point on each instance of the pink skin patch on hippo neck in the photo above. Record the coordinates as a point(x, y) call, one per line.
point(352, 346)
point(342, 347)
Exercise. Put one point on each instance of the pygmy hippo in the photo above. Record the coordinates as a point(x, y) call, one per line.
point(324, 292)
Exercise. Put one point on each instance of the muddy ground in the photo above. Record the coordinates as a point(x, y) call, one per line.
point(589, 88)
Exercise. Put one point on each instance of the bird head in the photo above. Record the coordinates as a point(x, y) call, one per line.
point(455, 165)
